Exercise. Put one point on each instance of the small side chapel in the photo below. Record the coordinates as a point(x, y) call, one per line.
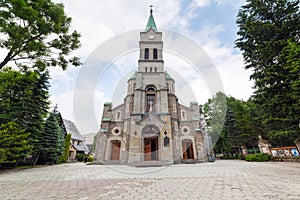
point(151, 127)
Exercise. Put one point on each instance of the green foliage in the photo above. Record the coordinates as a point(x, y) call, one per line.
point(253, 151)
point(93, 148)
point(228, 157)
point(269, 39)
point(37, 32)
point(258, 157)
point(80, 157)
point(52, 143)
point(239, 128)
point(14, 143)
point(24, 100)
point(67, 144)
point(90, 159)
point(214, 112)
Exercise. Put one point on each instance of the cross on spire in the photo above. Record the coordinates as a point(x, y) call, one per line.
point(151, 6)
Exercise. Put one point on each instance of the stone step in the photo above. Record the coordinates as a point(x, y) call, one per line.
point(152, 163)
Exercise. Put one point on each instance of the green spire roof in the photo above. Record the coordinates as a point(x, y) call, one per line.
point(151, 22)
point(133, 75)
point(168, 75)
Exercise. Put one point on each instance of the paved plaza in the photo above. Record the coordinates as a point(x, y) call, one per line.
point(223, 179)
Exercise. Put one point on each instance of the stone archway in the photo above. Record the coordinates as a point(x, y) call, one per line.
point(187, 149)
point(150, 141)
point(115, 149)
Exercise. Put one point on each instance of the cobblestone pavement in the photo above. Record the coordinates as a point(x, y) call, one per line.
point(219, 180)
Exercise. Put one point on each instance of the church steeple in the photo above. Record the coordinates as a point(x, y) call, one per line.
point(151, 22)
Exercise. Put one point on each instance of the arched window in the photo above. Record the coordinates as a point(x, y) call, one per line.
point(150, 98)
point(146, 54)
point(155, 69)
point(146, 69)
point(183, 115)
point(168, 87)
point(118, 115)
point(150, 69)
point(155, 54)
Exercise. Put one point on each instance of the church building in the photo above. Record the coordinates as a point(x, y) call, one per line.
point(151, 127)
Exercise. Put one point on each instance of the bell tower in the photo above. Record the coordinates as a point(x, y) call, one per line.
point(151, 48)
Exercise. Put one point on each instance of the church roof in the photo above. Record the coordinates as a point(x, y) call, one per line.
point(168, 75)
point(133, 75)
point(151, 22)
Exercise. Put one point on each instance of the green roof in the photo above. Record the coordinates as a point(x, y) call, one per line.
point(108, 103)
point(168, 75)
point(105, 119)
point(151, 23)
point(133, 75)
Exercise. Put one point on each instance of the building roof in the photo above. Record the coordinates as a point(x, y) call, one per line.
point(151, 22)
point(72, 129)
point(168, 76)
point(133, 75)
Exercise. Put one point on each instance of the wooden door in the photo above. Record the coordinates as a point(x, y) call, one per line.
point(147, 149)
point(154, 148)
point(115, 150)
point(184, 152)
point(187, 149)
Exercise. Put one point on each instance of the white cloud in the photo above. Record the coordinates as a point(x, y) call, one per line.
point(98, 21)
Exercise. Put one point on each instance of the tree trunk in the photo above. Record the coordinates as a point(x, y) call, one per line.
point(253, 148)
point(36, 158)
point(6, 60)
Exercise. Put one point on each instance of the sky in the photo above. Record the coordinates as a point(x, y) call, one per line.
point(108, 26)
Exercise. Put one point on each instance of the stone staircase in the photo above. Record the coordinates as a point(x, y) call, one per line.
point(152, 163)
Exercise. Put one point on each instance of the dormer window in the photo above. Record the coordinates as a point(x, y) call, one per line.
point(146, 54)
point(155, 54)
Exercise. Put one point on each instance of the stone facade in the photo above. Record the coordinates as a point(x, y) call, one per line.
point(151, 126)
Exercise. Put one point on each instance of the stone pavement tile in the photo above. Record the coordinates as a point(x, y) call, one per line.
point(218, 180)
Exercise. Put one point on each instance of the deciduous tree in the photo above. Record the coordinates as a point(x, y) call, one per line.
point(37, 34)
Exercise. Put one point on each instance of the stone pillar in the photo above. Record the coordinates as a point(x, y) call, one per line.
point(244, 150)
point(263, 145)
point(100, 148)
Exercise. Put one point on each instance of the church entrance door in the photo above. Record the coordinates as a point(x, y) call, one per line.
point(115, 150)
point(150, 149)
point(187, 149)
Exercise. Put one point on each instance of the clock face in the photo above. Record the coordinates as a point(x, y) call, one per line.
point(151, 37)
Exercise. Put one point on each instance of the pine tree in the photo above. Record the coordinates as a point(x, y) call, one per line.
point(52, 142)
point(14, 144)
point(269, 34)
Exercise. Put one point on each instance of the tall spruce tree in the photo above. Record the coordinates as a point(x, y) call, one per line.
point(268, 37)
point(52, 143)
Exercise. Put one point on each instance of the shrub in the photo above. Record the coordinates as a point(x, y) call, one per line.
point(258, 157)
point(80, 157)
point(90, 159)
point(228, 157)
